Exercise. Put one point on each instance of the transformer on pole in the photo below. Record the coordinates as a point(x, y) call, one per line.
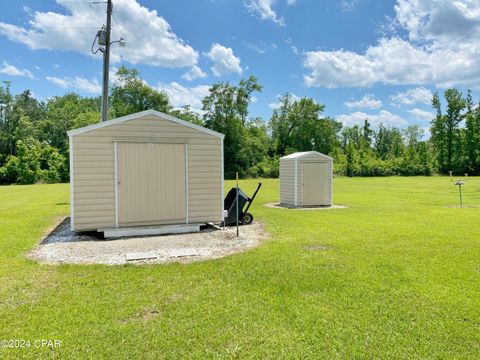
point(102, 38)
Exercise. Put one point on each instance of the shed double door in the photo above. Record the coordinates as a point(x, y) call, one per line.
point(314, 183)
point(151, 183)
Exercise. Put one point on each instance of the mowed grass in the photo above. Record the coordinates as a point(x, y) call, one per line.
point(395, 275)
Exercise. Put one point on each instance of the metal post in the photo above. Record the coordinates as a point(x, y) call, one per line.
point(106, 62)
point(237, 202)
point(460, 190)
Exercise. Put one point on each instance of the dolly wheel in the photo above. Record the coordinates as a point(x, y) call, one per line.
point(247, 219)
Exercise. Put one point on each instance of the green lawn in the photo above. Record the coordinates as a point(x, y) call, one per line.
point(396, 275)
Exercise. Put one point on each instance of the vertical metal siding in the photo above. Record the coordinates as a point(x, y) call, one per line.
point(151, 183)
point(287, 181)
point(291, 178)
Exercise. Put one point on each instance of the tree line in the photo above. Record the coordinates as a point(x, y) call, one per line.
point(34, 142)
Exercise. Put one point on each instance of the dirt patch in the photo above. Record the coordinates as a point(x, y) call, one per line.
point(62, 246)
point(283, 206)
point(144, 315)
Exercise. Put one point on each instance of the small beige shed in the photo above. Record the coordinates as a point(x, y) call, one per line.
point(144, 170)
point(306, 179)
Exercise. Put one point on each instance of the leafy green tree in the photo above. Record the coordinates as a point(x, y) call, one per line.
point(388, 142)
point(446, 133)
point(413, 135)
point(186, 113)
point(472, 137)
point(425, 158)
point(9, 171)
point(352, 135)
point(26, 129)
point(131, 94)
point(19, 111)
point(63, 114)
point(438, 134)
point(244, 95)
point(53, 168)
point(35, 162)
point(86, 118)
point(455, 105)
point(325, 135)
point(223, 112)
point(367, 134)
point(255, 150)
point(351, 160)
point(28, 165)
point(297, 125)
point(7, 143)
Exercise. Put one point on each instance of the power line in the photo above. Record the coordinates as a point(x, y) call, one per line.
point(86, 2)
point(118, 26)
point(51, 27)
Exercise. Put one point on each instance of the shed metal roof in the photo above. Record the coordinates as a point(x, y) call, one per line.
point(301, 154)
point(141, 114)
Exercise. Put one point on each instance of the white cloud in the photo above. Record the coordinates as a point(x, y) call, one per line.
point(258, 48)
point(58, 81)
point(79, 83)
point(290, 43)
point(263, 8)
point(367, 102)
point(291, 2)
point(383, 117)
point(439, 20)
point(194, 73)
point(89, 86)
point(441, 48)
point(224, 60)
point(420, 114)
point(347, 5)
point(11, 70)
point(180, 95)
point(277, 104)
point(152, 43)
point(418, 95)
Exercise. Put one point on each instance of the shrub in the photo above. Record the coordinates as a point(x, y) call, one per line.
point(9, 172)
point(35, 162)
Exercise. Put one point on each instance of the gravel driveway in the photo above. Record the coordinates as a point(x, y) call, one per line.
point(63, 246)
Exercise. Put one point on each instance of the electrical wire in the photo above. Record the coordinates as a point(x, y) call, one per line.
point(53, 27)
point(86, 2)
point(115, 19)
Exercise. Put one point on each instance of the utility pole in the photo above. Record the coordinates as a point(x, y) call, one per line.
point(106, 62)
point(102, 38)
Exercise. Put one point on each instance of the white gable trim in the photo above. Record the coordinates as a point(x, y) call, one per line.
point(299, 155)
point(141, 114)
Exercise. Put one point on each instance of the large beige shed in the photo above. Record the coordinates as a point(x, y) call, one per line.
point(306, 179)
point(148, 170)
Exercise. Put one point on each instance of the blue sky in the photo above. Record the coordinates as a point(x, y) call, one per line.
point(361, 58)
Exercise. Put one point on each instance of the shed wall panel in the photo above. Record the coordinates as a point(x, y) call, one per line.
point(94, 169)
point(287, 181)
point(288, 187)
